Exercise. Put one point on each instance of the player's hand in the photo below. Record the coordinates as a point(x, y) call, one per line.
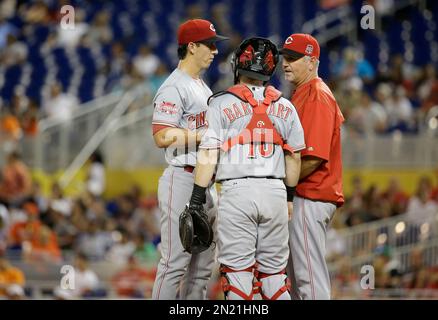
point(290, 209)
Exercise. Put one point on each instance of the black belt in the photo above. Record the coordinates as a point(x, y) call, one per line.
point(251, 177)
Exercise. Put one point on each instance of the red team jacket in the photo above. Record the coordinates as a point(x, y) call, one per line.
point(321, 119)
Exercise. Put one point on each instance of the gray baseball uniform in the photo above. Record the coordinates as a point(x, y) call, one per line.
point(252, 218)
point(181, 102)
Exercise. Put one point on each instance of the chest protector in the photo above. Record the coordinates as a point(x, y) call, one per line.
point(260, 124)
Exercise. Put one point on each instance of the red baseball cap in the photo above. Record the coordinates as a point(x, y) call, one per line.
point(298, 45)
point(198, 30)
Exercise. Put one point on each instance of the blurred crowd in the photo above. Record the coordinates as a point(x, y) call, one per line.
point(376, 98)
point(374, 203)
point(122, 231)
point(397, 97)
point(419, 281)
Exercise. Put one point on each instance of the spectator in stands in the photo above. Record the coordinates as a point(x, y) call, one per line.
point(399, 72)
point(383, 94)
point(97, 212)
point(374, 206)
point(35, 13)
point(400, 111)
point(144, 251)
point(78, 216)
point(346, 282)
point(6, 28)
point(157, 79)
point(134, 281)
point(415, 276)
point(426, 82)
point(368, 117)
point(27, 230)
point(421, 207)
point(4, 227)
point(121, 251)
point(15, 292)
point(30, 118)
point(95, 243)
point(43, 247)
point(60, 106)
point(146, 62)
point(15, 52)
point(353, 66)
point(354, 201)
point(64, 229)
point(124, 210)
point(58, 201)
point(336, 243)
point(219, 17)
point(396, 197)
point(428, 89)
point(387, 268)
point(86, 280)
point(36, 195)
point(10, 278)
point(10, 130)
point(96, 181)
point(116, 66)
point(143, 219)
point(100, 29)
point(16, 181)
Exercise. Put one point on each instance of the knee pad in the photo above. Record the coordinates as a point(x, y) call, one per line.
point(238, 284)
point(274, 286)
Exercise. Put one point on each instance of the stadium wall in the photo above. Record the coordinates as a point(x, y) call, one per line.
point(119, 181)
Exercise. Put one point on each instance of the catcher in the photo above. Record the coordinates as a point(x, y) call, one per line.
point(254, 137)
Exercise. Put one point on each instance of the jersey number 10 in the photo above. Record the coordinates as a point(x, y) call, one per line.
point(264, 149)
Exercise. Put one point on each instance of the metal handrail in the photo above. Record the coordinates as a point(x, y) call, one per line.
point(85, 109)
point(97, 138)
point(325, 18)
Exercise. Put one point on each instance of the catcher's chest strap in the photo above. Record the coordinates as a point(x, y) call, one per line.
point(260, 123)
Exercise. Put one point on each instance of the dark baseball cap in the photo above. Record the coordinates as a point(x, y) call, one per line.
point(298, 45)
point(198, 30)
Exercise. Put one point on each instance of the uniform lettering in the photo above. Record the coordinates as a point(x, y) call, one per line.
point(266, 149)
point(229, 114)
point(288, 112)
point(200, 119)
point(280, 111)
point(246, 108)
point(196, 121)
point(237, 111)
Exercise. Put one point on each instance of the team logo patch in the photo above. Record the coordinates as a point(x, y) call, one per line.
point(212, 28)
point(309, 49)
point(167, 107)
point(289, 40)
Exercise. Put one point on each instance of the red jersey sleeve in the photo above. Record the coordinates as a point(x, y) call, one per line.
point(318, 121)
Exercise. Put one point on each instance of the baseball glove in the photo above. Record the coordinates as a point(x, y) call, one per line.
point(195, 230)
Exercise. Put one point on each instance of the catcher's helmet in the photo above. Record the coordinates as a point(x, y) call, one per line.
point(255, 58)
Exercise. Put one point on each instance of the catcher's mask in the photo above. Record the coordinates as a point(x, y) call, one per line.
point(255, 58)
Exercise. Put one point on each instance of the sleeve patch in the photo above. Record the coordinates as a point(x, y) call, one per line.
point(167, 108)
